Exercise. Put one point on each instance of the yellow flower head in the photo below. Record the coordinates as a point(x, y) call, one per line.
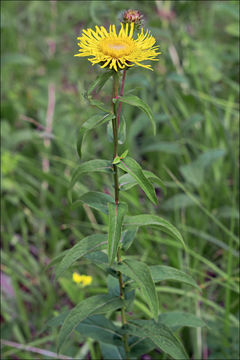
point(86, 280)
point(117, 51)
point(82, 279)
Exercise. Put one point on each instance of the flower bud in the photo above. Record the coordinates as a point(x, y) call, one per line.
point(132, 16)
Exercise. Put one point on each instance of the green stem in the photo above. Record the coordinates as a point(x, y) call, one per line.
point(115, 137)
point(116, 187)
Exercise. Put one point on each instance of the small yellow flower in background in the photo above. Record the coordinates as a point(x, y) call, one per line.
point(77, 278)
point(117, 51)
point(86, 280)
point(82, 279)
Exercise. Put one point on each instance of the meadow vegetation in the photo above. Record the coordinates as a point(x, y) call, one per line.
point(193, 94)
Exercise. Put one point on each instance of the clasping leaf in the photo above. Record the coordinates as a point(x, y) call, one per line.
point(154, 220)
point(140, 272)
point(116, 215)
point(136, 101)
point(100, 81)
point(98, 304)
point(96, 165)
point(90, 124)
point(160, 335)
point(130, 166)
point(84, 247)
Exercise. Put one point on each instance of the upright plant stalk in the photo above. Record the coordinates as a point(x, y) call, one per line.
point(121, 94)
point(115, 123)
point(115, 136)
point(139, 272)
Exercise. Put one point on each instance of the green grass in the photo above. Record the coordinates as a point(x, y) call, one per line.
point(193, 94)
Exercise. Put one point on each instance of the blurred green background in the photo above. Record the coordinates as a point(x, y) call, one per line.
point(193, 93)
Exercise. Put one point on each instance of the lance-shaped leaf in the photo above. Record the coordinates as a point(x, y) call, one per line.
point(136, 101)
point(160, 335)
point(99, 328)
point(99, 104)
point(139, 347)
point(96, 200)
point(178, 319)
point(96, 165)
point(130, 166)
point(126, 181)
point(97, 257)
point(140, 272)
point(116, 215)
point(84, 247)
point(91, 123)
point(56, 259)
point(128, 237)
point(162, 272)
point(154, 220)
point(100, 81)
point(112, 352)
point(58, 320)
point(98, 304)
point(121, 131)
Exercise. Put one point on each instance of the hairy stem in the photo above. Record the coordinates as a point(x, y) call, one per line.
point(115, 137)
point(115, 123)
point(121, 94)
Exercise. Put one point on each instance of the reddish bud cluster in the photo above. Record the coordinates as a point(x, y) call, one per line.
point(134, 16)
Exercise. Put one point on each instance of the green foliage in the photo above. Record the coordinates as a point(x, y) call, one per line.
point(194, 172)
point(95, 120)
point(115, 220)
point(130, 166)
point(98, 304)
point(162, 272)
point(96, 200)
point(101, 329)
point(154, 220)
point(177, 319)
point(128, 238)
point(160, 335)
point(100, 81)
point(121, 132)
point(139, 272)
point(97, 165)
point(127, 181)
point(97, 327)
point(135, 270)
point(192, 95)
point(112, 352)
point(135, 101)
point(84, 247)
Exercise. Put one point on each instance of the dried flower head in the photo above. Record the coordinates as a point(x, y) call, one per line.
point(117, 51)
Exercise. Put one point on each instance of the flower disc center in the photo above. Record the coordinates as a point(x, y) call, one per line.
point(116, 48)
